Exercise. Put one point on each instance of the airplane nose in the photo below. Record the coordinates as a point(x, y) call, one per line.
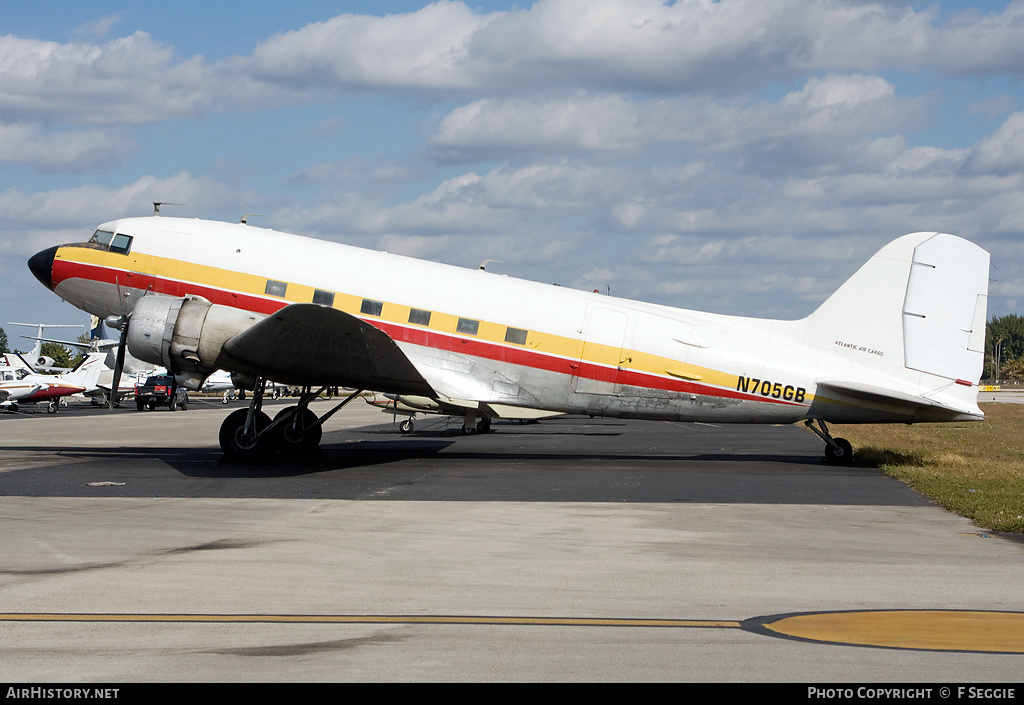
point(41, 264)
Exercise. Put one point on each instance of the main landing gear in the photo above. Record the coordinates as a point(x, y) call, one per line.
point(248, 434)
point(838, 451)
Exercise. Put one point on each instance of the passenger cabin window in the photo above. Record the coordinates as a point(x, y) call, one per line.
point(371, 307)
point(323, 298)
point(275, 288)
point(515, 335)
point(419, 317)
point(467, 326)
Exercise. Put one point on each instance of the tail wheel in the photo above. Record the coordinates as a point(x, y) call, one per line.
point(842, 454)
point(243, 446)
point(298, 436)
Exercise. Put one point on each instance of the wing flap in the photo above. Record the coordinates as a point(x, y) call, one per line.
point(308, 344)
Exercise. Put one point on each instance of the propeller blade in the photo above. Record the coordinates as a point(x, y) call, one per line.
point(115, 385)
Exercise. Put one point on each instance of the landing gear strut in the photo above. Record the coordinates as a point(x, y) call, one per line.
point(299, 431)
point(243, 434)
point(249, 434)
point(838, 451)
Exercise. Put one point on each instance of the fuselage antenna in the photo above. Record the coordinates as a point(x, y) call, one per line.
point(157, 204)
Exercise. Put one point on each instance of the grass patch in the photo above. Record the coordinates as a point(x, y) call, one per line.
point(975, 469)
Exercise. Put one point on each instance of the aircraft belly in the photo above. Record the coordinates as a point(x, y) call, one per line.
point(93, 297)
point(484, 380)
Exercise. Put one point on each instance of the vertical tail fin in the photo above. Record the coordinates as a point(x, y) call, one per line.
point(16, 362)
point(87, 373)
point(918, 306)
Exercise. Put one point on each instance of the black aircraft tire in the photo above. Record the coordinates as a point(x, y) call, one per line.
point(843, 455)
point(237, 446)
point(300, 441)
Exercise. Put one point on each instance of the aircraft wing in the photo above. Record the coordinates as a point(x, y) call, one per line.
point(308, 344)
point(95, 345)
point(881, 395)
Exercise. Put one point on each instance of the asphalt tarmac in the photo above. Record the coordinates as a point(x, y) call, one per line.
point(574, 549)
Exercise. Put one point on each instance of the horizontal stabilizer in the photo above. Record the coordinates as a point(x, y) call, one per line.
point(881, 395)
point(308, 344)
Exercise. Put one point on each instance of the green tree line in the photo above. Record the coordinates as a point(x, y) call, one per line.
point(1004, 348)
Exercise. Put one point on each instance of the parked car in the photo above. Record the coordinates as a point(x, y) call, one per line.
point(160, 390)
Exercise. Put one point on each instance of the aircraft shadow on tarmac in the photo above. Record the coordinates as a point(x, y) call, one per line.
point(592, 462)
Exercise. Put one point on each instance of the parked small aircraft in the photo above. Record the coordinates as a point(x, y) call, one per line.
point(410, 407)
point(20, 385)
point(901, 341)
point(220, 381)
point(95, 374)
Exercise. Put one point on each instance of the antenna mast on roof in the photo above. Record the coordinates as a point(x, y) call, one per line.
point(157, 204)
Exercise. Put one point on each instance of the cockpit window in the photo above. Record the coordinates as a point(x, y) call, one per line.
point(102, 237)
point(121, 243)
point(115, 243)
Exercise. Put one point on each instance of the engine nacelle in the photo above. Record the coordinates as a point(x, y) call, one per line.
point(44, 361)
point(185, 335)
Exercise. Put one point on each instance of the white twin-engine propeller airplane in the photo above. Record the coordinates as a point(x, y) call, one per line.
point(900, 341)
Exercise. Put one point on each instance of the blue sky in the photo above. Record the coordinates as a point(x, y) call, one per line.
point(738, 156)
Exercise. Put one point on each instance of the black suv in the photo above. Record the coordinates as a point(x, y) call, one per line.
point(159, 390)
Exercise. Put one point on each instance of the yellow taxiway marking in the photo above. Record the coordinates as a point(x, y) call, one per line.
point(937, 630)
point(366, 619)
